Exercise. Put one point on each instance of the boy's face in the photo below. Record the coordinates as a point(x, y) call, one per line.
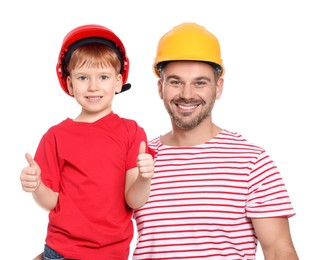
point(94, 89)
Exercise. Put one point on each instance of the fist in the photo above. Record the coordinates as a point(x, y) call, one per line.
point(30, 175)
point(145, 162)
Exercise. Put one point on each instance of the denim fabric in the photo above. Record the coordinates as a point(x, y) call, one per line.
point(50, 254)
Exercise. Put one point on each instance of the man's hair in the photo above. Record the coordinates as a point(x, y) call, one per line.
point(216, 68)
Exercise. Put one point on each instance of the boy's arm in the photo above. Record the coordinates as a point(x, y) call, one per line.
point(138, 180)
point(31, 182)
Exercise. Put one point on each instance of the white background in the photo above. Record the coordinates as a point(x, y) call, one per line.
point(270, 52)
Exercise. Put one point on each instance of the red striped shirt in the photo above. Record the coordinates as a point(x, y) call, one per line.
point(202, 198)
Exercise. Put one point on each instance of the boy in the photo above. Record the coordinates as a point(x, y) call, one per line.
point(91, 171)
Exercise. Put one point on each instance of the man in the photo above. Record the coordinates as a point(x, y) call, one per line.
point(214, 195)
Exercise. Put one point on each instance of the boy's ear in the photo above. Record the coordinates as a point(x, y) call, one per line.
point(69, 84)
point(119, 83)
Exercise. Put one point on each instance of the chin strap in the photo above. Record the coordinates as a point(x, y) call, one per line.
point(124, 88)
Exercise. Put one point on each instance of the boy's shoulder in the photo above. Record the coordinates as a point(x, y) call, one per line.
point(128, 121)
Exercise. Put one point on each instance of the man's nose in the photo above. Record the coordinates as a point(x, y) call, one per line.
point(187, 91)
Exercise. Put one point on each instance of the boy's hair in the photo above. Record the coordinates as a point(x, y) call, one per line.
point(88, 34)
point(94, 55)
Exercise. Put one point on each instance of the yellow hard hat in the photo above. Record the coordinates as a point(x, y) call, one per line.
point(188, 41)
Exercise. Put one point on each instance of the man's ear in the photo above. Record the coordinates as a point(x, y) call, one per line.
point(219, 87)
point(160, 88)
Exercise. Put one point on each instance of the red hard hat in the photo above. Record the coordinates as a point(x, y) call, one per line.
point(85, 34)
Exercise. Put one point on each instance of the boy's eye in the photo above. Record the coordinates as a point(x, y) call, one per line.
point(103, 77)
point(82, 78)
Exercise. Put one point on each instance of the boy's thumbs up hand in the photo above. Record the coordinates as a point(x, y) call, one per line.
point(145, 162)
point(30, 175)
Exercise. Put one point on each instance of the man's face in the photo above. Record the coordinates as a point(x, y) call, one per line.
point(189, 90)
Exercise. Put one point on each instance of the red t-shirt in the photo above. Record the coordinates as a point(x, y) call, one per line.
point(86, 164)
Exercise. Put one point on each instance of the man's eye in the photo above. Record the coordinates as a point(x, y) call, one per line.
point(201, 83)
point(174, 82)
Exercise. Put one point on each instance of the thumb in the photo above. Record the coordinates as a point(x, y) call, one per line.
point(31, 161)
point(142, 148)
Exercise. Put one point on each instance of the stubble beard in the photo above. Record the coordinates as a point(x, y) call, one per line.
point(184, 121)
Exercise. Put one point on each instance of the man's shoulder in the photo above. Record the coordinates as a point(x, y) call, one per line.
point(235, 138)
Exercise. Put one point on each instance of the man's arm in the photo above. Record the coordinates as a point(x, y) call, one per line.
point(275, 238)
